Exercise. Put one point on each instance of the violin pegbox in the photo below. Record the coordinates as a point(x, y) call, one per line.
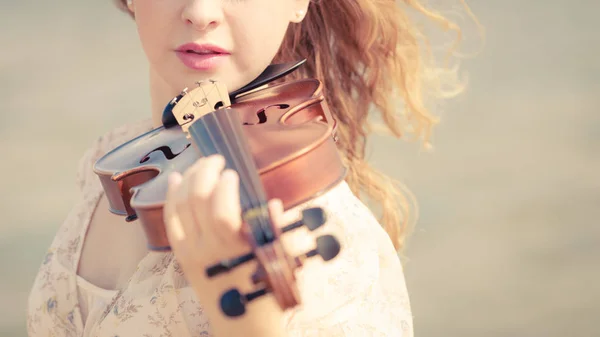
point(207, 97)
point(276, 278)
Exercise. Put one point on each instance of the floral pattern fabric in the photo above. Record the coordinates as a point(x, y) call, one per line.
point(360, 293)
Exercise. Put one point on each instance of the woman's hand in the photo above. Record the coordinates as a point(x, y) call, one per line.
point(203, 216)
point(203, 224)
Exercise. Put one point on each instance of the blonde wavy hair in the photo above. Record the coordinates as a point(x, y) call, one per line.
point(365, 58)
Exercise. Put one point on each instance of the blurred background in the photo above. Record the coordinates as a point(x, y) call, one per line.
point(508, 239)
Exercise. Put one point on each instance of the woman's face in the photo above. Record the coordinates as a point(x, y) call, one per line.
point(231, 41)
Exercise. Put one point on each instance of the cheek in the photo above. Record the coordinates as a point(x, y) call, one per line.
point(153, 29)
point(259, 40)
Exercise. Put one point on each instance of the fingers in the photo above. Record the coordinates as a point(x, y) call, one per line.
point(205, 175)
point(204, 205)
point(203, 210)
point(226, 211)
point(276, 211)
point(188, 202)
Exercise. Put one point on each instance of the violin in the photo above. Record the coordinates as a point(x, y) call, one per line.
point(279, 138)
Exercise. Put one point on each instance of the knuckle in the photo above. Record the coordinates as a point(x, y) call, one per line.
point(200, 194)
point(215, 160)
point(209, 162)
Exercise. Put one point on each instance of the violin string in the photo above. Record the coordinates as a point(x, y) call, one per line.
point(234, 160)
point(247, 178)
point(256, 190)
point(248, 185)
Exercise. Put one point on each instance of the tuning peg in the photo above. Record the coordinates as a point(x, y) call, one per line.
point(233, 303)
point(312, 218)
point(227, 265)
point(328, 247)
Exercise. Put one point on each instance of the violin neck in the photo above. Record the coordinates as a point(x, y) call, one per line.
point(220, 132)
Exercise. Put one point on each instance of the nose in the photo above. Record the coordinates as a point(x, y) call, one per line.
point(203, 14)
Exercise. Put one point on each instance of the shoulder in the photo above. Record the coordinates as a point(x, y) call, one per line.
point(362, 292)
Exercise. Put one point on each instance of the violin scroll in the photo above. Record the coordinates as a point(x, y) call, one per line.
point(233, 303)
point(275, 275)
point(312, 218)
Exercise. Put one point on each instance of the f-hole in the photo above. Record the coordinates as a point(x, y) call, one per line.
point(262, 113)
point(166, 151)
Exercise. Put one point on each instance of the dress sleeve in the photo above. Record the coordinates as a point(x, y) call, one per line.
point(362, 292)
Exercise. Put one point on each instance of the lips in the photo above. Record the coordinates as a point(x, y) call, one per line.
point(205, 48)
point(201, 52)
point(201, 57)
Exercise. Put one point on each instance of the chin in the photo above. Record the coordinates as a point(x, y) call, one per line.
point(180, 77)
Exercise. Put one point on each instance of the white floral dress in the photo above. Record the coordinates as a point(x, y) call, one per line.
point(360, 293)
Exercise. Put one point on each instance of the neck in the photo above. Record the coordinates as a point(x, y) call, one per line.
point(160, 94)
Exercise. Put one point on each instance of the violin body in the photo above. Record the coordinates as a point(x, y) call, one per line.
point(280, 140)
point(291, 137)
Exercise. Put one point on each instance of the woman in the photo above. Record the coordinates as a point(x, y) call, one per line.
point(98, 279)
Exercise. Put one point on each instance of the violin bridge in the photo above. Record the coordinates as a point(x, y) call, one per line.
point(209, 96)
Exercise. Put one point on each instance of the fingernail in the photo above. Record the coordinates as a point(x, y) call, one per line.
point(229, 174)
